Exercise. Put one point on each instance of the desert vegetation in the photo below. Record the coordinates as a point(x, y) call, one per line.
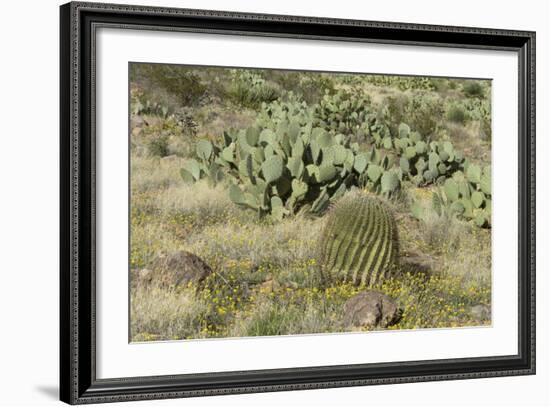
point(267, 202)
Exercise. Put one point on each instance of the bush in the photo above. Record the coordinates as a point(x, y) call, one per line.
point(179, 81)
point(140, 104)
point(402, 83)
point(250, 89)
point(313, 86)
point(473, 89)
point(394, 111)
point(472, 110)
point(287, 80)
point(456, 114)
point(423, 113)
point(158, 146)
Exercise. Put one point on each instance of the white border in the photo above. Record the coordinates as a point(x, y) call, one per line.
point(117, 358)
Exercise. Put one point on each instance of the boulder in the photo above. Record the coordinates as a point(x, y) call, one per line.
point(178, 269)
point(370, 309)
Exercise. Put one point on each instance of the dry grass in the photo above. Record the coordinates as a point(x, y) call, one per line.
point(467, 139)
point(283, 244)
point(216, 120)
point(154, 173)
point(266, 279)
point(161, 314)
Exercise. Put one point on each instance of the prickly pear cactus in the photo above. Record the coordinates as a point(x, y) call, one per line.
point(359, 243)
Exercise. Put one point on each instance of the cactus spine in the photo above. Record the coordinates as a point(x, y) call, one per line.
point(359, 243)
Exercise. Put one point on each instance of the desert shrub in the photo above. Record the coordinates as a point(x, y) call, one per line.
point(442, 230)
point(313, 86)
point(456, 114)
point(249, 89)
point(473, 89)
point(402, 83)
point(180, 81)
point(472, 110)
point(287, 80)
point(165, 136)
point(141, 104)
point(158, 146)
point(424, 112)
point(393, 111)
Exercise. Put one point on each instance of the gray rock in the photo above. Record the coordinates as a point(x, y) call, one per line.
point(370, 309)
point(178, 269)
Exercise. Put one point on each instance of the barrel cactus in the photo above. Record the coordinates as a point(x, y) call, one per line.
point(359, 243)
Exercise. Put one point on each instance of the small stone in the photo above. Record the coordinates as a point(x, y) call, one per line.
point(370, 309)
point(179, 269)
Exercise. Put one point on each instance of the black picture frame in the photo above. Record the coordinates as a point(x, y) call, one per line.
point(78, 382)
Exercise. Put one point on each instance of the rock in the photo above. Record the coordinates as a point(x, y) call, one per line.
point(481, 312)
point(179, 269)
point(370, 309)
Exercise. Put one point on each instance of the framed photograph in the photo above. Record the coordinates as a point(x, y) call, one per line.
point(254, 203)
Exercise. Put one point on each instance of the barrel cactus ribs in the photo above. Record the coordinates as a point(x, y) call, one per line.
point(359, 243)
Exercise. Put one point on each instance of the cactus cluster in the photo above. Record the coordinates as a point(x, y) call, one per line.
point(205, 166)
point(359, 244)
point(141, 107)
point(291, 109)
point(426, 163)
point(277, 171)
point(403, 82)
point(296, 155)
point(381, 175)
point(350, 112)
point(249, 88)
point(466, 195)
